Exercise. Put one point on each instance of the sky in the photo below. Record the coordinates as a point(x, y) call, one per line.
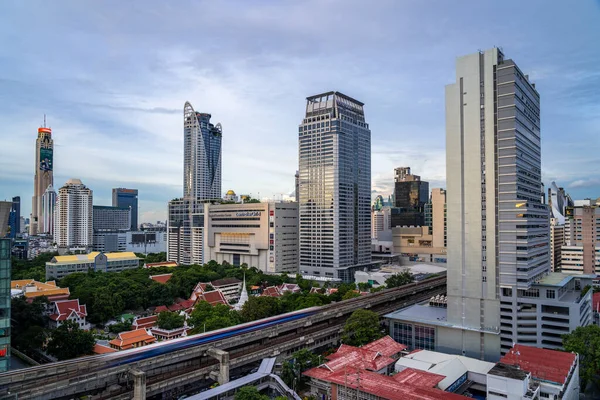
point(112, 78)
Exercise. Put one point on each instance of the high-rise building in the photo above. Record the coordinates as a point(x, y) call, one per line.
point(48, 206)
point(558, 202)
point(5, 207)
point(580, 253)
point(201, 182)
point(381, 222)
point(410, 194)
point(297, 186)
point(73, 216)
point(335, 187)
point(202, 155)
point(14, 220)
point(500, 290)
point(5, 246)
point(127, 198)
point(435, 212)
point(44, 176)
point(110, 227)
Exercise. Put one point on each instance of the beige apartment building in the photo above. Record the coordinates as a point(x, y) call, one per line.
point(580, 253)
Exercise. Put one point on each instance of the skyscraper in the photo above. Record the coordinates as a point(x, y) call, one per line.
point(202, 155)
point(5, 246)
point(500, 289)
point(14, 220)
point(127, 198)
point(335, 187)
point(44, 176)
point(201, 182)
point(73, 216)
point(48, 205)
point(410, 194)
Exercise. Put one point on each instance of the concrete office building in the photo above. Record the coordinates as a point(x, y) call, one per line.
point(73, 216)
point(381, 223)
point(127, 198)
point(14, 219)
point(185, 232)
point(146, 241)
point(5, 207)
point(111, 219)
point(500, 289)
point(410, 196)
point(5, 299)
point(419, 244)
point(558, 202)
point(557, 241)
point(580, 253)
point(202, 155)
point(61, 266)
point(261, 235)
point(44, 176)
point(436, 217)
point(335, 187)
point(48, 206)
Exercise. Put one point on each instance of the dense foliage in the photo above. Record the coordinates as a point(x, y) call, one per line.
point(250, 393)
point(361, 328)
point(585, 340)
point(27, 325)
point(399, 279)
point(31, 269)
point(170, 320)
point(120, 327)
point(294, 367)
point(206, 318)
point(153, 257)
point(69, 341)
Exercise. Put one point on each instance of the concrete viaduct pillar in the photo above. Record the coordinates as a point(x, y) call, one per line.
point(223, 358)
point(139, 384)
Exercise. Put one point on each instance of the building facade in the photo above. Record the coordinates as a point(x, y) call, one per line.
point(14, 219)
point(580, 254)
point(261, 235)
point(73, 216)
point(202, 155)
point(381, 222)
point(557, 241)
point(410, 196)
point(44, 176)
point(185, 232)
point(61, 266)
point(5, 299)
point(335, 187)
point(48, 206)
point(111, 219)
point(127, 198)
point(419, 244)
point(146, 242)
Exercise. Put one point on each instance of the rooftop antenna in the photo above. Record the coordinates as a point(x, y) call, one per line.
point(44, 120)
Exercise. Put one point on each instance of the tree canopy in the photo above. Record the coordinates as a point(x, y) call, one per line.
point(399, 279)
point(31, 269)
point(250, 393)
point(170, 320)
point(69, 341)
point(28, 321)
point(361, 328)
point(294, 367)
point(585, 340)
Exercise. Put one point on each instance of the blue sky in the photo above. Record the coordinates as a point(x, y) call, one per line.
point(112, 78)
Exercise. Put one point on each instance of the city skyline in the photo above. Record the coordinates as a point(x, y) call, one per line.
point(134, 119)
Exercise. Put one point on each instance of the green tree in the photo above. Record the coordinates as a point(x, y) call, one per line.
point(293, 368)
point(364, 286)
point(120, 327)
point(206, 318)
point(259, 308)
point(170, 320)
point(27, 325)
point(350, 295)
point(361, 328)
point(378, 289)
point(69, 341)
point(585, 340)
point(399, 279)
point(250, 393)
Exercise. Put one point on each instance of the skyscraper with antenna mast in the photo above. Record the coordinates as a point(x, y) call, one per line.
point(44, 177)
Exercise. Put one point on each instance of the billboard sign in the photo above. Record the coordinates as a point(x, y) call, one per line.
point(45, 159)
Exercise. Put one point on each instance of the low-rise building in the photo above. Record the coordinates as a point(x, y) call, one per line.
point(377, 277)
point(162, 278)
point(164, 334)
point(280, 290)
point(32, 289)
point(61, 266)
point(418, 243)
point(169, 264)
point(144, 322)
point(132, 339)
point(230, 287)
point(68, 310)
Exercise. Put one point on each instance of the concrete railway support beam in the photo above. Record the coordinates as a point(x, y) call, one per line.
point(139, 384)
point(223, 358)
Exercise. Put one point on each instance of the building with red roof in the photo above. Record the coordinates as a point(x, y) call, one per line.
point(101, 349)
point(144, 322)
point(162, 278)
point(169, 264)
point(132, 339)
point(271, 291)
point(160, 309)
point(556, 372)
point(213, 297)
point(68, 310)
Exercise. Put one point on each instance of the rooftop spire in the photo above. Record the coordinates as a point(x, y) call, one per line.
point(243, 296)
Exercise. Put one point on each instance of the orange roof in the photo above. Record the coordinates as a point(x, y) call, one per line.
point(548, 365)
point(32, 288)
point(100, 349)
point(146, 322)
point(126, 340)
point(163, 278)
point(161, 264)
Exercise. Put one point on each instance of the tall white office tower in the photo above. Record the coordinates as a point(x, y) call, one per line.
point(73, 216)
point(47, 215)
point(335, 187)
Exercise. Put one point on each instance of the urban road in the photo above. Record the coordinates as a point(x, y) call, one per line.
point(181, 371)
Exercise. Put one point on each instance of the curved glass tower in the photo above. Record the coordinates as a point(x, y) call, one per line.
point(202, 155)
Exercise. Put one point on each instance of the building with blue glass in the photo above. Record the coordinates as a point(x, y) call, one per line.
point(127, 198)
point(14, 218)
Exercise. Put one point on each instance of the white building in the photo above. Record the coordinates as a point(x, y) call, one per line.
point(381, 221)
point(48, 207)
point(73, 216)
point(335, 187)
point(68, 310)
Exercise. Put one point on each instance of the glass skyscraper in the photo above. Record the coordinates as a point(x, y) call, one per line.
point(334, 186)
point(14, 219)
point(127, 198)
point(202, 155)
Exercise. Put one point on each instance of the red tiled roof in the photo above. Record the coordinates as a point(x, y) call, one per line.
point(126, 340)
point(271, 291)
point(549, 365)
point(160, 309)
point(596, 302)
point(289, 287)
point(146, 322)
point(100, 349)
point(163, 278)
point(214, 297)
point(64, 308)
point(385, 346)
